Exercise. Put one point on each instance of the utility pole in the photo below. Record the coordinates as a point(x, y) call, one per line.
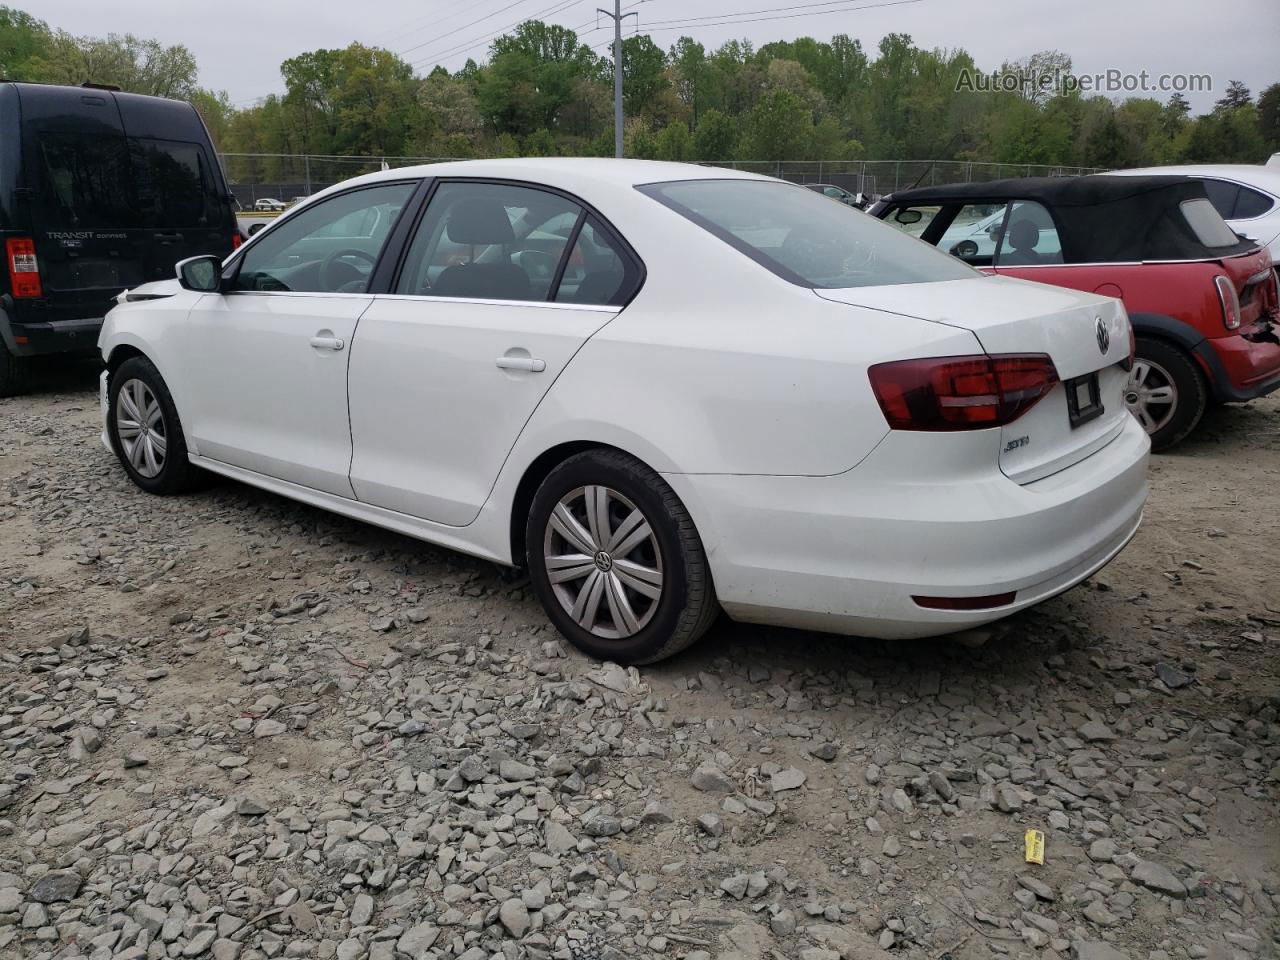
point(617, 16)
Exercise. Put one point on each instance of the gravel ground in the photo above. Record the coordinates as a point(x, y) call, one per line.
point(237, 727)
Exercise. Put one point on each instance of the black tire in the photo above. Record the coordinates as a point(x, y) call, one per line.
point(176, 473)
point(686, 606)
point(1191, 391)
point(15, 373)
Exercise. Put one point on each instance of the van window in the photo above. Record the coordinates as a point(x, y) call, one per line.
point(172, 184)
point(81, 182)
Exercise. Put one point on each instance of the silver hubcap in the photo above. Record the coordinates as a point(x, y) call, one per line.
point(603, 561)
point(140, 427)
point(1150, 394)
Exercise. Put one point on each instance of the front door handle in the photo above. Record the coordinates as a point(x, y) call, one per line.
point(327, 343)
point(529, 364)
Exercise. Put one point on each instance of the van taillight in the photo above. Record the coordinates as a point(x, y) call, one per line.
point(1230, 301)
point(236, 241)
point(24, 271)
point(961, 393)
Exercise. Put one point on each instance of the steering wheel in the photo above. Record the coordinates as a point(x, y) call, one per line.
point(329, 281)
point(538, 263)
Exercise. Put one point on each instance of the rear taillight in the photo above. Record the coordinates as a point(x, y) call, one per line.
point(1230, 301)
point(961, 393)
point(236, 241)
point(24, 271)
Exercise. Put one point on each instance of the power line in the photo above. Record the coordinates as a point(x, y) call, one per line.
point(480, 41)
point(689, 24)
point(487, 16)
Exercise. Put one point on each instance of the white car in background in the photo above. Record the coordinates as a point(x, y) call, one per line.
point(269, 203)
point(664, 389)
point(1247, 196)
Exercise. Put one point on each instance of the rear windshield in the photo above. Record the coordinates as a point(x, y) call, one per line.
point(104, 181)
point(1207, 224)
point(805, 237)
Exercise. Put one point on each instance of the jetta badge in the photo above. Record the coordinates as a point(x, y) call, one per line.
point(1104, 337)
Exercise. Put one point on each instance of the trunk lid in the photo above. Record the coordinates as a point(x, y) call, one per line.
point(1083, 334)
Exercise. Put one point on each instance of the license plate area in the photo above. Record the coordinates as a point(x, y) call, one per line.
point(1084, 399)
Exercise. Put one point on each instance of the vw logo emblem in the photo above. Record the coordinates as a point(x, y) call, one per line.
point(604, 562)
point(1104, 337)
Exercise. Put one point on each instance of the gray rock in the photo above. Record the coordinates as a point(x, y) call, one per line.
point(1102, 850)
point(711, 824)
point(711, 779)
point(1098, 913)
point(56, 886)
point(418, 939)
point(268, 728)
point(1095, 731)
point(1097, 950)
point(513, 771)
point(1038, 887)
point(1157, 877)
point(558, 838)
point(788, 779)
point(735, 886)
point(514, 916)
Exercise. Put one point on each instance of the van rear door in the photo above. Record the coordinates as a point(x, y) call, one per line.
point(76, 199)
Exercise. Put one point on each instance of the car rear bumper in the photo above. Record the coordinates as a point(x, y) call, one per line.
point(64, 336)
point(848, 553)
point(1243, 369)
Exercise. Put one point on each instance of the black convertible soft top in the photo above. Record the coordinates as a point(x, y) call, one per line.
point(1100, 219)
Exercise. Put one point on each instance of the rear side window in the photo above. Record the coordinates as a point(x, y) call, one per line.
point(82, 182)
point(596, 272)
point(1222, 195)
point(173, 184)
point(1030, 238)
point(1206, 223)
point(1251, 204)
point(803, 237)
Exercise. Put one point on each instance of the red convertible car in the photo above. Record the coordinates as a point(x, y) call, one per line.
point(1203, 300)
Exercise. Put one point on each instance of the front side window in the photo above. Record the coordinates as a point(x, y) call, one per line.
point(489, 241)
point(803, 237)
point(974, 233)
point(1207, 224)
point(312, 252)
point(1030, 237)
point(915, 220)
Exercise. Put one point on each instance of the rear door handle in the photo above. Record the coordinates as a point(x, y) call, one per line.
point(529, 364)
point(327, 343)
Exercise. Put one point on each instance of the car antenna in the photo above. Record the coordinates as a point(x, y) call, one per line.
point(927, 171)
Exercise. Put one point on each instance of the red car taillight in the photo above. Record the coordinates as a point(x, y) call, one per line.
point(24, 271)
point(236, 241)
point(961, 393)
point(1230, 301)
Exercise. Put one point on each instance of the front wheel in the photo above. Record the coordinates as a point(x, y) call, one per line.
point(1166, 392)
point(614, 557)
point(143, 426)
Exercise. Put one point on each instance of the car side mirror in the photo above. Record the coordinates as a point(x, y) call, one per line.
point(908, 216)
point(202, 274)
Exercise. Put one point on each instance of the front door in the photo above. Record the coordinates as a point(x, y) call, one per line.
point(265, 363)
point(501, 286)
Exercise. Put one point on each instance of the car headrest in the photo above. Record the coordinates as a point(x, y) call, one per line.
point(1023, 235)
point(478, 220)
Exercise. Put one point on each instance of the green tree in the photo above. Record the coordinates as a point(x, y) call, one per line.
point(24, 42)
point(1237, 95)
point(125, 61)
point(1269, 116)
point(716, 137)
point(779, 128)
point(644, 75)
point(674, 142)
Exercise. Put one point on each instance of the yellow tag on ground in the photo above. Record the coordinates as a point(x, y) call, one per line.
point(1035, 847)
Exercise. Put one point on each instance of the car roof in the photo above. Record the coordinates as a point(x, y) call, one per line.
point(1254, 175)
point(566, 173)
point(1051, 191)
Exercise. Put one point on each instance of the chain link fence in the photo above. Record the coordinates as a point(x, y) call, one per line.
point(284, 177)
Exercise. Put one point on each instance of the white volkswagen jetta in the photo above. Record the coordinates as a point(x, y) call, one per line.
point(665, 389)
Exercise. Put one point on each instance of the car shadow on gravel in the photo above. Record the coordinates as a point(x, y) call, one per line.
point(59, 374)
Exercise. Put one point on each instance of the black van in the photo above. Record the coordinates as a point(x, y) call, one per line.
point(99, 191)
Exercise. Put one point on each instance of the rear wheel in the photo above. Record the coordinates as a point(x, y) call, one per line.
point(15, 373)
point(143, 425)
point(616, 561)
point(1166, 392)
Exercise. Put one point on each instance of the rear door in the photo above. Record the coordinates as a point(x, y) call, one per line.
point(76, 197)
point(494, 299)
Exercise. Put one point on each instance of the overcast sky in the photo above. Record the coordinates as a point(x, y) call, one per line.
point(240, 43)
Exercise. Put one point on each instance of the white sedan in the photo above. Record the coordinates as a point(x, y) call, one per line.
point(1247, 196)
point(667, 390)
